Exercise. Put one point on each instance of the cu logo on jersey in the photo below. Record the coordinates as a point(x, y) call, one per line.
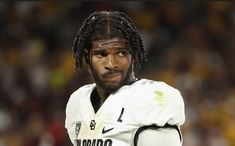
point(92, 124)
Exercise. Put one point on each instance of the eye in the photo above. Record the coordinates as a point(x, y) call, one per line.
point(99, 54)
point(122, 53)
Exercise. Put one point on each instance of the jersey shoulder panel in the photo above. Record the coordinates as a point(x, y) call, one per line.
point(74, 102)
point(82, 92)
point(150, 88)
point(158, 103)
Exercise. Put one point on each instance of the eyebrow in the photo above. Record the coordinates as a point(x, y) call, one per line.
point(98, 49)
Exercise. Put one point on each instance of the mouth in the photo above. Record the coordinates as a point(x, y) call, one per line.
point(113, 76)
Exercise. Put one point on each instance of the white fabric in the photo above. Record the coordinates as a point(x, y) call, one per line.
point(159, 137)
point(145, 102)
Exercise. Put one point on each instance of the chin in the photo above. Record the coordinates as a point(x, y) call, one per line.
point(112, 87)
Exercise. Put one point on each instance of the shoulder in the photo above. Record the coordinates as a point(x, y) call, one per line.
point(149, 84)
point(84, 90)
point(159, 102)
point(156, 89)
point(76, 97)
point(74, 102)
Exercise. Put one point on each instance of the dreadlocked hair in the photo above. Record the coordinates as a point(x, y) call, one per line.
point(107, 25)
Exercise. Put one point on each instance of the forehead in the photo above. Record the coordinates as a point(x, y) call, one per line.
point(113, 42)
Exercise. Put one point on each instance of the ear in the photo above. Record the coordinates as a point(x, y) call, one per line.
point(133, 63)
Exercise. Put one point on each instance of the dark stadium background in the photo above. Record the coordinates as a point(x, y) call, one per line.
point(190, 45)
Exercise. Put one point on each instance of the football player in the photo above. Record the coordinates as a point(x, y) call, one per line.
point(119, 109)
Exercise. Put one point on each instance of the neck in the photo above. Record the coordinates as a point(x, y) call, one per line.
point(103, 94)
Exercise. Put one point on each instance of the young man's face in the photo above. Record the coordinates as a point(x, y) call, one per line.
point(111, 63)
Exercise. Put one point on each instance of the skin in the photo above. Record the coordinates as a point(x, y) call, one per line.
point(111, 65)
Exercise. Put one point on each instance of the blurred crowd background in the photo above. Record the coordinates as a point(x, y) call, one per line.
point(190, 45)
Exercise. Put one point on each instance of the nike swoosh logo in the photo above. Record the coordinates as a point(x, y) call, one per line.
point(106, 130)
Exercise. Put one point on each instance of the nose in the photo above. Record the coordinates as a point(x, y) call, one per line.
point(110, 62)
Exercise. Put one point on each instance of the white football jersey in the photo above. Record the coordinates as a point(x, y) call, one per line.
point(142, 103)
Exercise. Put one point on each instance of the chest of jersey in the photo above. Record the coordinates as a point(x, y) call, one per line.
point(112, 125)
point(120, 116)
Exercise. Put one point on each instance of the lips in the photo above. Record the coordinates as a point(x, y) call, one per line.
point(112, 75)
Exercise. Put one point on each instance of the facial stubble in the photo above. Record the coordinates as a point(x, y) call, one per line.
point(111, 88)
